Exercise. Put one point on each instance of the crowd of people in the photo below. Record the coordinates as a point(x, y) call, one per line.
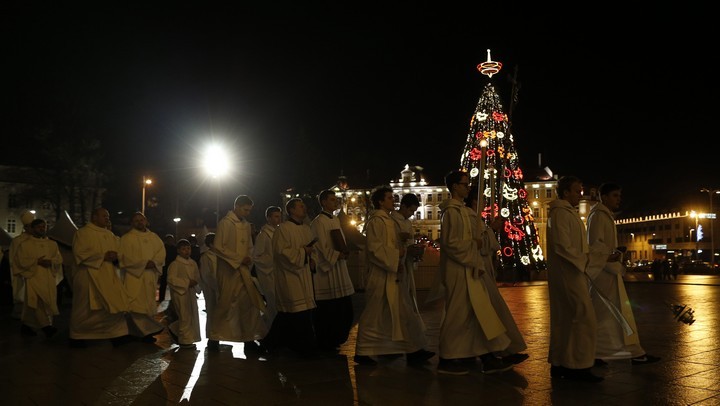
point(288, 285)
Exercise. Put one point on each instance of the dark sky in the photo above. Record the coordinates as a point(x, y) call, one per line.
point(299, 93)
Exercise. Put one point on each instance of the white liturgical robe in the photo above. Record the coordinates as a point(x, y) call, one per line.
point(136, 249)
point(607, 279)
point(100, 300)
point(471, 326)
point(331, 278)
point(388, 324)
point(187, 326)
point(40, 303)
point(238, 314)
point(293, 278)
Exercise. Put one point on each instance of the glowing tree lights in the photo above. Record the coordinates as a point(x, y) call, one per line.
point(491, 160)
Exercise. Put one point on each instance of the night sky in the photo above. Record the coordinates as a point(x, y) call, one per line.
point(300, 93)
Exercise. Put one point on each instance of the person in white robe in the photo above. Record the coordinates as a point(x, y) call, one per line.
point(389, 324)
point(488, 247)
point(573, 326)
point(38, 262)
point(409, 204)
point(141, 256)
point(263, 260)
point(100, 302)
point(613, 341)
point(238, 314)
point(17, 282)
point(333, 287)
point(208, 284)
point(470, 327)
point(294, 258)
point(183, 280)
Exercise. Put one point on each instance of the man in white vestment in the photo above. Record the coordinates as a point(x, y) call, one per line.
point(263, 260)
point(333, 317)
point(183, 278)
point(471, 327)
point(238, 314)
point(38, 262)
point(293, 258)
point(409, 204)
point(573, 326)
point(100, 302)
point(612, 340)
point(389, 324)
point(17, 282)
point(488, 246)
point(141, 256)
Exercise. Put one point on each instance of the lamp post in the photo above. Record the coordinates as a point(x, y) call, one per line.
point(710, 193)
point(697, 243)
point(176, 220)
point(146, 182)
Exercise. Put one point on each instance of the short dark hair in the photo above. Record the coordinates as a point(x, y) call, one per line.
point(183, 243)
point(564, 184)
point(324, 195)
point(243, 200)
point(291, 204)
point(272, 209)
point(608, 187)
point(36, 222)
point(378, 195)
point(410, 199)
point(454, 177)
point(209, 239)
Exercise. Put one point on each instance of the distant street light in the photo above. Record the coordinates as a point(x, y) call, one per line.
point(176, 220)
point(697, 242)
point(217, 165)
point(145, 182)
point(712, 221)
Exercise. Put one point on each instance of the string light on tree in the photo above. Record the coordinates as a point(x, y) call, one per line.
point(492, 162)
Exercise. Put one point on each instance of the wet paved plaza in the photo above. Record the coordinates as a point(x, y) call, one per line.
point(36, 371)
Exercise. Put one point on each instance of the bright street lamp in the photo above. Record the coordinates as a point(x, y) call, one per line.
point(145, 182)
point(217, 164)
point(712, 221)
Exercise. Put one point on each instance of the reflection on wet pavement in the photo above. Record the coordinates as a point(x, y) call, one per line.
point(47, 372)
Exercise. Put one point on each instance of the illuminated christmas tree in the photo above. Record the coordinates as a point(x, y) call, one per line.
point(492, 161)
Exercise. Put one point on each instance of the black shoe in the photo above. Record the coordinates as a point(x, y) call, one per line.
point(122, 340)
point(27, 331)
point(600, 363)
point(493, 365)
point(419, 356)
point(364, 360)
point(645, 359)
point(49, 331)
point(75, 343)
point(515, 358)
point(148, 339)
point(213, 345)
